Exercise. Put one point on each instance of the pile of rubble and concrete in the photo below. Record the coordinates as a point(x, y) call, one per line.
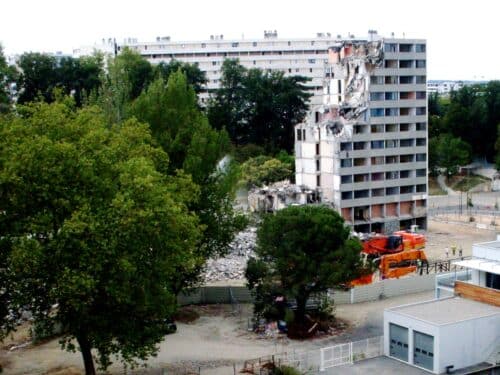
point(232, 267)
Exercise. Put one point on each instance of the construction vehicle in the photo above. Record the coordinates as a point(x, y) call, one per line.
point(378, 245)
point(394, 266)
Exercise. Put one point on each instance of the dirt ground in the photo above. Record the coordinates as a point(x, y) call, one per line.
point(219, 339)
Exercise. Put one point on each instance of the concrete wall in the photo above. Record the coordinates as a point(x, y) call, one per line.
point(365, 293)
point(468, 342)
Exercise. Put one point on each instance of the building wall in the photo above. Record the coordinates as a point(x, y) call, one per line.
point(412, 325)
point(468, 342)
point(378, 168)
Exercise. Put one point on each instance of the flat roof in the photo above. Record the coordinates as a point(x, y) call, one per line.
point(480, 264)
point(447, 310)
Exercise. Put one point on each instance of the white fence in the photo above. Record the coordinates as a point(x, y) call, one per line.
point(344, 354)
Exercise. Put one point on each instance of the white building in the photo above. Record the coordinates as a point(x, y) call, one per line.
point(365, 147)
point(454, 332)
point(443, 87)
point(293, 56)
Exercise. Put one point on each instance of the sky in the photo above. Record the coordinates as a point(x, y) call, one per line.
point(462, 36)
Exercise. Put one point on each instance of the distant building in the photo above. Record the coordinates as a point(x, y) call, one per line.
point(443, 87)
point(364, 149)
point(293, 56)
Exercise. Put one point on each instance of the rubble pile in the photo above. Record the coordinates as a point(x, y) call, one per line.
point(232, 267)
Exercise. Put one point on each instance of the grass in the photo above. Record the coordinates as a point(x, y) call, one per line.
point(465, 183)
point(434, 188)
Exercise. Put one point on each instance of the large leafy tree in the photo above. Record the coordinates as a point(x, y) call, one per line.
point(37, 78)
point(303, 250)
point(92, 230)
point(259, 107)
point(195, 77)
point(7, 77)
point(449, 153)
point(195, 148)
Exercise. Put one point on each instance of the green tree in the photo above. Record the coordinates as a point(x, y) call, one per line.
point(37, 78)
point(303, 250)
point(451, 152)
point(259, 107)
point(79, 77)
point(264, 170)
point(92, 230)
point(7, 77)
point(183, 131)
point(195, 77)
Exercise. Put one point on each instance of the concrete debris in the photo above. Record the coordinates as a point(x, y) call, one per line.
point(279, 195)
point(232, 267)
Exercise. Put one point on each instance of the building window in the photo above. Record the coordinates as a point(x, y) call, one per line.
point(420, 48)
point(317, 148)
point(378, 192)
point(318, 166)
point(421, 188)
point(420, 111)
point(392, 190)
point(421, 126)
point(303, 134)
point(346, 195)
point(376, 96)
point(377, 145)
point(345, 146)
point(318, 180)
point(405, 47)
point(406, 158)
point(391, 96)
point(405, 64)
point(406, 80)
point(377, 160)
point(311, 61)
point(391, 143)
point(420, 64)
point(420, 79)
point(376, 80)
point(299, 134)
point(379, 176)
point(421, 157)
point(347, 179)
point(406, 142)
point(359, 194)
point(421, 172)
point(379, 128)
point(392, 111)
point(392, 175)
point(359, 145)
point(405, 174)
point(234, 44)
point(345, 163)
point(390, 47)
point(359, 162)
point(421, 141)
point(254, 44)
point(407, 189)
point(203, 45)
point(404, 127)
point(391, 64)
point(391, 159)
point(421, 95)
point(376, 112)
point(391, 128)
point(391, 80)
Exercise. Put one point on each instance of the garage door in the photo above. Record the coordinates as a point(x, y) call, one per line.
point(398, 345)
point(423, 352)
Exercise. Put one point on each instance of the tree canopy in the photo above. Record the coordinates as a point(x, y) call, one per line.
point(7, 77)
point(471, 114)
point(195, 77)
point(183, 131)
point(92, 229)
point(41, 74)
point(449, 153)
point(302, 250)
point(259, 107)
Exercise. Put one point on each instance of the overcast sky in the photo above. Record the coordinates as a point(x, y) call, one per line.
point(462, 36)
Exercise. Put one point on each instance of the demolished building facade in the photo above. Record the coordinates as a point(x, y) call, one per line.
point(364, 149)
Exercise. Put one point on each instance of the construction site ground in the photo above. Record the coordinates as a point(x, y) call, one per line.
point(219, 339)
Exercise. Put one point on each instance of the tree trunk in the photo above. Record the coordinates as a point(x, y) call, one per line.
point(300, 314)
point(85, 348)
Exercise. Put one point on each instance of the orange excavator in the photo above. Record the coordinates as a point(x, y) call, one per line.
point(379, 245)
point(396, 255)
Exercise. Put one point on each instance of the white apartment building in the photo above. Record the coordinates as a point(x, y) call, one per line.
point(293, 56)
point(365, 147)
